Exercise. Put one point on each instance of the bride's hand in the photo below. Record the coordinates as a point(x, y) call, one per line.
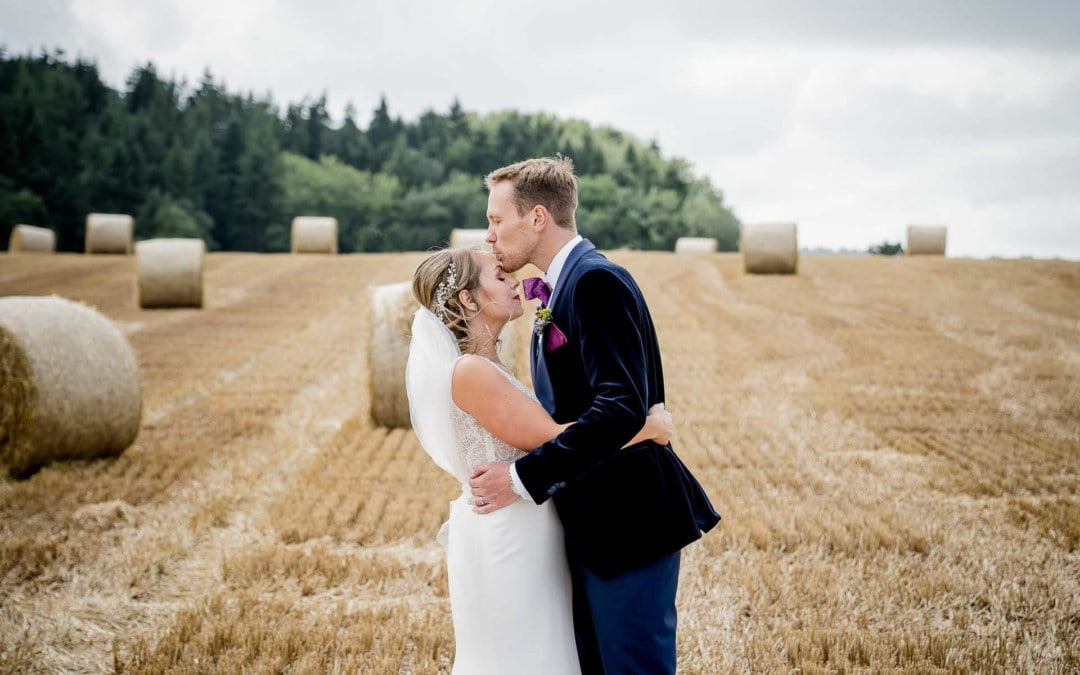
point(660, 425)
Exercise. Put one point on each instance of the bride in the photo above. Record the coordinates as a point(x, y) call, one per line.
point(508, 576)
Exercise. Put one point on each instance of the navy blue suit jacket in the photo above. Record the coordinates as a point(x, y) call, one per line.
point(620, 508)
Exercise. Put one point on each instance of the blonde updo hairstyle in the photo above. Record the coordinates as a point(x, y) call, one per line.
point(434, 270)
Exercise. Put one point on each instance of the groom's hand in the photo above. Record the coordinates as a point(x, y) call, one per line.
point(490, 485)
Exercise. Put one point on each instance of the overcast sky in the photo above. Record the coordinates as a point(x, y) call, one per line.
point(850, 117)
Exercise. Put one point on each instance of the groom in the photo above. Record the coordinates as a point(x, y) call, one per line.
point(595, 362)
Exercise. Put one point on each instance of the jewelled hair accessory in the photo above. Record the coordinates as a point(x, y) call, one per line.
point(443, 291)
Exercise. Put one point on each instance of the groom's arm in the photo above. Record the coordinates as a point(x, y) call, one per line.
point(606, 325)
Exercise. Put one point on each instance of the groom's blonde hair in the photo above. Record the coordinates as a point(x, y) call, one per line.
point(546, 181)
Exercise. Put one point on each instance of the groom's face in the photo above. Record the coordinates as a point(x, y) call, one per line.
point(512, 237)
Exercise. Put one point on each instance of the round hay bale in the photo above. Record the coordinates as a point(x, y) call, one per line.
point(460, 238)
point(30, 239)
point(695, 245)
point(170, 272)
point(926, 239)
point(393, 307)
point(769, 248)
point(312, 234)
point(109, 233)
point(69, 384)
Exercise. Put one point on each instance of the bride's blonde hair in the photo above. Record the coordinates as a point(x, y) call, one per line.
point(439, 280)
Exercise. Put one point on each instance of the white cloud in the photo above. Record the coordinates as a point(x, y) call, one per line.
point(853, 120)
point(863, 141)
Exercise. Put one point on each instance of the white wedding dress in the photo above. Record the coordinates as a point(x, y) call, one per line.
point(508, 576)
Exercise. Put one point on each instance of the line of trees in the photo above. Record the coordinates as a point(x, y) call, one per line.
point(887, 248)
point(234, 170)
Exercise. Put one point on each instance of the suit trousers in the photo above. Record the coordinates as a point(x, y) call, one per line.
point(626, 624)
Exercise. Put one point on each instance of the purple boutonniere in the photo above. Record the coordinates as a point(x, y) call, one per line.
point(548, 332)
point(555, 338)
point(542, 320)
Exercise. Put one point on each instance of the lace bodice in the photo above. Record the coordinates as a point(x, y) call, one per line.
point(477, 444)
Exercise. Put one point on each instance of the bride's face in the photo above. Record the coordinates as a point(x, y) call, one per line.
point(498, 291)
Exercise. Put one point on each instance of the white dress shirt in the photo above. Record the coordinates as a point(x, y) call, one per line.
point(559, 261)
point(552, 277)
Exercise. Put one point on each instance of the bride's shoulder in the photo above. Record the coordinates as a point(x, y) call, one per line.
point(471, 368)
point(468, 362)
point(474, 376)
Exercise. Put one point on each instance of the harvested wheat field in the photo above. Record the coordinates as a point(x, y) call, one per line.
point(894, 444)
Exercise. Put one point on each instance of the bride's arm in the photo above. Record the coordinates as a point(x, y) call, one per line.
point(515, 418)
point(500, 407)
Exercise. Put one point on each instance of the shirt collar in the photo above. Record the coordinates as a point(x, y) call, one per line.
point(555, 268)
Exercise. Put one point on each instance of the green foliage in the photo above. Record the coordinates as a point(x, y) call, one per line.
point(361, 201)
point(429, 214)
point(19, 205)
point(886, 248)
point(164, 216)
point(705, 215)
point(203, 162)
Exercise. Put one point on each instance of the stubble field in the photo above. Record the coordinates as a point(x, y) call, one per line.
point(894, 445)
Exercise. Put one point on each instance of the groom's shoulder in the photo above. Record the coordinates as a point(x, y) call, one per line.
point(597, 264)
point(596, 260)
point(597, 270)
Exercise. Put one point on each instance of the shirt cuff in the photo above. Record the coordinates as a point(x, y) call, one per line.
point(517, 487)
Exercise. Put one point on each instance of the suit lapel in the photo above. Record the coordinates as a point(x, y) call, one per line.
point(534, 371)
point(541, 378)
point(579, 251)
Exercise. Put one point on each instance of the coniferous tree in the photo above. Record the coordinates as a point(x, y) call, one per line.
point(224, 201)
point(316, 131)
point(350, 143)
point(227, 168)
point(382, 134)
point(294, 131)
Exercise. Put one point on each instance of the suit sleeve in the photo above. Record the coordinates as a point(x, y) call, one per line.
point(607, 329)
